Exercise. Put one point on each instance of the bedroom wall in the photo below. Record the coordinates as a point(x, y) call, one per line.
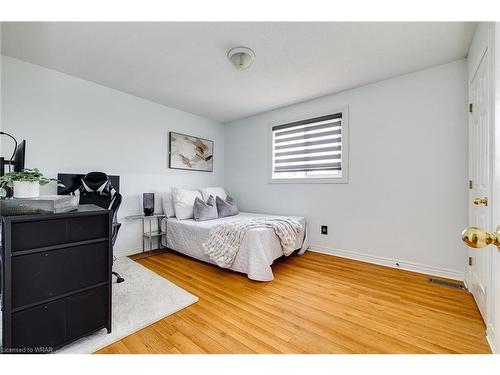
point(406, 197)
point(76, 126)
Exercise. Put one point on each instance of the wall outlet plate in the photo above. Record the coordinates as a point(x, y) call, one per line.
point(324, 229)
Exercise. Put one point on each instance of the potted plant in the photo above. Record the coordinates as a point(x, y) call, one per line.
point(26, 184)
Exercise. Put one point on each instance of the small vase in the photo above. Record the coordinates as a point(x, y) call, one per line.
point(26, 189)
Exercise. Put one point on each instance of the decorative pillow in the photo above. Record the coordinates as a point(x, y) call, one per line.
point(167, 204)
point(226, 207)
point(184, 202)
point(205, 211)
point(214, 191)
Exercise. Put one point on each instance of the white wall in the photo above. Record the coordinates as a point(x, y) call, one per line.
point(406, 196)
point(76, 126)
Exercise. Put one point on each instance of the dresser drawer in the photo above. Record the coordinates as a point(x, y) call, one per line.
point(86, 311)
point(41, 326)
point(56, 323)
point(38, 276)
point(35, 234)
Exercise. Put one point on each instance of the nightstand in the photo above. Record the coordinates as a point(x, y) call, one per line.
point(148, 232)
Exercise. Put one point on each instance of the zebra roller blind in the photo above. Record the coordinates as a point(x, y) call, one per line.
point(309, 145)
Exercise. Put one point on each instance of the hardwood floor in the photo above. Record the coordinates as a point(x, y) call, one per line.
point(316, 304)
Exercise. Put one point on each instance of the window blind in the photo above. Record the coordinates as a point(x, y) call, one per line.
point(308, 145)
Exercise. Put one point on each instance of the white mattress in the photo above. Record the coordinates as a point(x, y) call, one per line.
point(258, 250)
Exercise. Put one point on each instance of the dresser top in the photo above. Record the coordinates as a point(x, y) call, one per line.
point(83, 209)
point(88, 207)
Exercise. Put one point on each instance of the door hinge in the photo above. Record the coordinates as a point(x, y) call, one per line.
point(471, 184)
point(470, 261)
point(470, 107)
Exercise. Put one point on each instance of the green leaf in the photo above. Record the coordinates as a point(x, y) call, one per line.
point(32, 175)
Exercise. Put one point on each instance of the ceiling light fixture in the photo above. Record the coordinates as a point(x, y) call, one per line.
point(241, 57)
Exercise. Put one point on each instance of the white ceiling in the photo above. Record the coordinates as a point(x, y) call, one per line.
point(184, 65)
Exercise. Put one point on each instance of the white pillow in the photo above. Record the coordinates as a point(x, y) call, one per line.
point(167, 204)
point(184, 202)
point(215, 191)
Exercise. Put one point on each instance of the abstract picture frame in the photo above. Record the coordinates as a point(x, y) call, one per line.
point(192, 153)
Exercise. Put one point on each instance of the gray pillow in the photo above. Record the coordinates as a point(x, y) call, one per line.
point(205, 211)
point(227, 207)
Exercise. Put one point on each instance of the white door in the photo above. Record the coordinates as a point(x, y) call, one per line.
point(479, 178)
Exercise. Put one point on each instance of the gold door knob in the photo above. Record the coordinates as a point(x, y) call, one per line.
point(479, 201)
point(476, 237)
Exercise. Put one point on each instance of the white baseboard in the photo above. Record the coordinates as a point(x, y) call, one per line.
point(394, 263)
point(491, 344)
point(404, 265)
point(127, 252)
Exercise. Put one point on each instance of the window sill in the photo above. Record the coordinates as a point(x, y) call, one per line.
point(333, 180)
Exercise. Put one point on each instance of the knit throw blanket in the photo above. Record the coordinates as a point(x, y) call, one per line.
point(224, 239)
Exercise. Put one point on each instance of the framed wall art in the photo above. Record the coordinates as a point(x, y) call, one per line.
point(191, 153)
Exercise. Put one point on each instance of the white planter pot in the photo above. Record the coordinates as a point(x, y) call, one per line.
point(26, 189)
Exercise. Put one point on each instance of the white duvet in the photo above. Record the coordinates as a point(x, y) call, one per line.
point(259, 248)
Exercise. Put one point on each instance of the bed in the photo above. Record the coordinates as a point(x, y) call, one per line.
point(259, 248)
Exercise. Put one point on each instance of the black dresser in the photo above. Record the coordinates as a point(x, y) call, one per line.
point(56, 278)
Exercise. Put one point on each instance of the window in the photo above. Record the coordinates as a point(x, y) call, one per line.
point(312, 150)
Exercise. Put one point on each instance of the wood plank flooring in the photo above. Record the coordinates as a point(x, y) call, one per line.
point(316, 304)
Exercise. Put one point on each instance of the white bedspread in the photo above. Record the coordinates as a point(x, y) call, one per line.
point(224, 239)
point(258, 250)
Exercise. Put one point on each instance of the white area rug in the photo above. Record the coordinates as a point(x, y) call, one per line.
point(144, 298)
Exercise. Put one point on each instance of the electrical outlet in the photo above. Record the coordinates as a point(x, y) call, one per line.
point(324, 229)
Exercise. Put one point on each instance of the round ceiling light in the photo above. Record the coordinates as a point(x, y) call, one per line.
point(241, 57)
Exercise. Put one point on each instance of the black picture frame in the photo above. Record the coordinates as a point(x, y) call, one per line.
point(190, 136)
